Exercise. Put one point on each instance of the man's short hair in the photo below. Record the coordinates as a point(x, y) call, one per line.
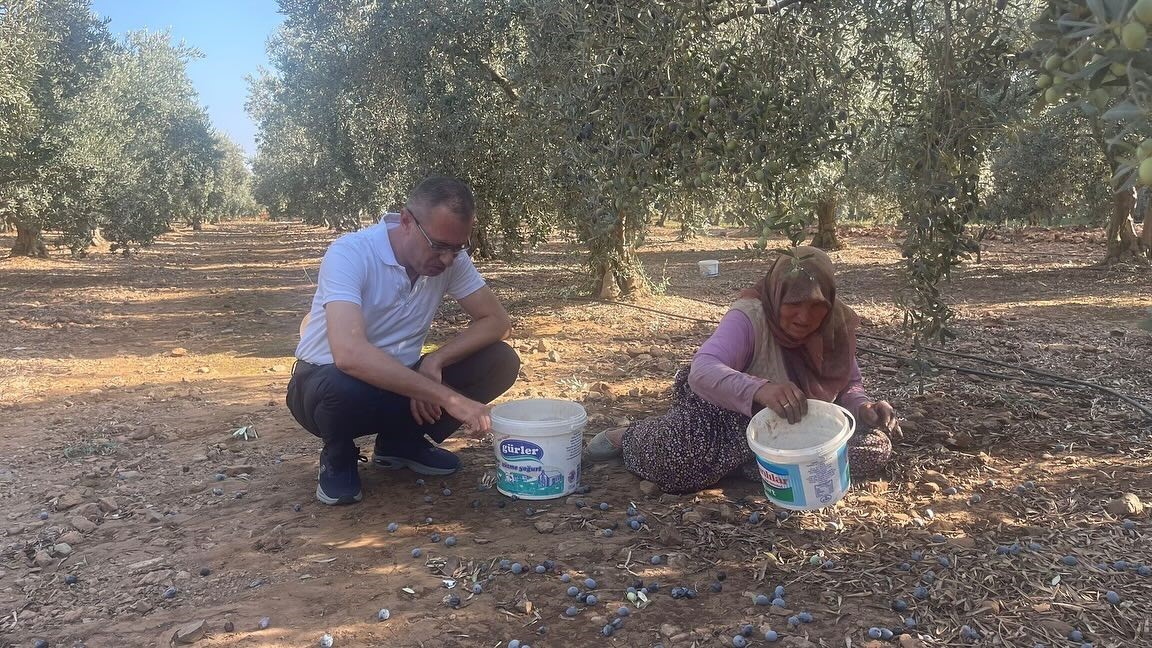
point(442, 191)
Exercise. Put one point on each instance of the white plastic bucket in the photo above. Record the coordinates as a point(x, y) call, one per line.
point(804, 466)
point(708, 267)
point(538, 442)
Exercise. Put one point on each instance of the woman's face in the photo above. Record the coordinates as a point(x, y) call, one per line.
point(801, 319)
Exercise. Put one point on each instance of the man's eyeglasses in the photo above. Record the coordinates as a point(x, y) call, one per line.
point(438, 246)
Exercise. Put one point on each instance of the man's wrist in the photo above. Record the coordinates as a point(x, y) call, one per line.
point(432, 361)
point(453, 399)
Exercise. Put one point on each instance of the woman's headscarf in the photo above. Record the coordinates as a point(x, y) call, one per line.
point(821, 363)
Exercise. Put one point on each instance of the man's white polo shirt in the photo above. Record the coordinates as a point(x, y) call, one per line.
point(361, 268)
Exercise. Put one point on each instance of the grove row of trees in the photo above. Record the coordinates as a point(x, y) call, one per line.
point(598, 118)
point(595, 117)
point(104, 138)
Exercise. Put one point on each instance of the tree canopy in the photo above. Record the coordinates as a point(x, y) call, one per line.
point(588, 118)
point(593, 119)
point(104, 137)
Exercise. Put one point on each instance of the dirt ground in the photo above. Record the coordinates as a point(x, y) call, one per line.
point(121, 381)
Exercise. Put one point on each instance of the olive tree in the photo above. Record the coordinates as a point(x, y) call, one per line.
point(104, 136)
point(1093, 57)
point(363, 104)
point(51, 52)
point(149, 150)
point(950, 90)
point(1047, 170)
point(588, 117)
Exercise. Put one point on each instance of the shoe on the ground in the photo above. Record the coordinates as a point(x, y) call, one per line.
point(424, 459)
point(600, 448)
point(339, 475)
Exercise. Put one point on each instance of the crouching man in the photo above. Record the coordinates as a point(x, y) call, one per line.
point(359, 368)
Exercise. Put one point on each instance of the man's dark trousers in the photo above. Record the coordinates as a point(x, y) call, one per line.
point(339, 408)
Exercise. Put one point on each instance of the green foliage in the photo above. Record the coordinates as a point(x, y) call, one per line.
point(1047, 171)
point(589, 118)
point(1093, 57)
point(952, 93)
point(145, 146)
point(52, 52)
point(364, 104)
point(1083, 64)
point(230, 195)
point(584, 117)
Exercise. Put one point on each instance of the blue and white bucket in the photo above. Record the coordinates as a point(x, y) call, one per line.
point(538, 443)
point(804, 466)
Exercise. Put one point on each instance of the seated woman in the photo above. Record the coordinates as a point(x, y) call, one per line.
point(785, 340)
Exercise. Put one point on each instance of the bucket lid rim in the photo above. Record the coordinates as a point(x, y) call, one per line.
point(839, 439)
point(579, 414)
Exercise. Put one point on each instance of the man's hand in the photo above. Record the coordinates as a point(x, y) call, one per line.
point(880, 415)
point(784, 398)
point(424, 412)
point(471, 413)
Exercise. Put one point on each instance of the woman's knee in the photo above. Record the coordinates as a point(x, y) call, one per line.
point(869, 454)
point(685, 486)
point(677, 472)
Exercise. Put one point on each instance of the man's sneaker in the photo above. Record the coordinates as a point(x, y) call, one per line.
point(425, 459)
point(339, 476)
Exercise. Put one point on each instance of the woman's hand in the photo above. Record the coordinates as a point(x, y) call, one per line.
point(880, 415)
point(784, 398)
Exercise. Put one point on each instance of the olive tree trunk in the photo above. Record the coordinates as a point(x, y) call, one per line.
point(825, 237)
point(615, 265)
point(1143, 207)
point(29, 241)
point(1123, 243)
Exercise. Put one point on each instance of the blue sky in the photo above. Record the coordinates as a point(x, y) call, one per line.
point(232, 36)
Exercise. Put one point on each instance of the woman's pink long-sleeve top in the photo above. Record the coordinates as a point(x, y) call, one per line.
point(717, 370)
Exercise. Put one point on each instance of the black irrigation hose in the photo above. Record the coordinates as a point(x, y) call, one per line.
point(1035, 372)
point(969, 356)
point(975, 372)
point(589, 300)
point(1058, 381)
